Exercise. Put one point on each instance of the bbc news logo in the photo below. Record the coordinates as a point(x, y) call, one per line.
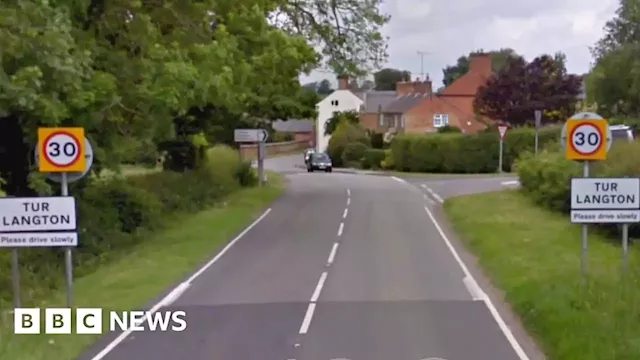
point(89, 321)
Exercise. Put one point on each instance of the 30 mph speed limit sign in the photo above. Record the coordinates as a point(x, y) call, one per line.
point(586, 137)
point(61, 150)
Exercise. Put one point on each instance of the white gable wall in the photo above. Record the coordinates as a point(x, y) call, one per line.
point(347, 101)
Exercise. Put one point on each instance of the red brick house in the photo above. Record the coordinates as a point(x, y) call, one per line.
point(413, 108)
point(454, 105)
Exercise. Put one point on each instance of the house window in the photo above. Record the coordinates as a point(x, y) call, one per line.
point(334, 102)
point(402, 122)
point(381, 116)
point(440, 120)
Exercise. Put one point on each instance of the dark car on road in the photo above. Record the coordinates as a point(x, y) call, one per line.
point(319, 161)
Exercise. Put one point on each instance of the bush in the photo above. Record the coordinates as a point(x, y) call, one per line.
point(114, 214)
point(373, 159)
point(449, 129)
point(387, 163)
point(460, 153)
point(377, 140)
point(546, 178)
point(354, 153)
point(346, 133)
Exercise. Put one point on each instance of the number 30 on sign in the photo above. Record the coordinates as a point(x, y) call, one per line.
point(586, 139)
point(61, 149)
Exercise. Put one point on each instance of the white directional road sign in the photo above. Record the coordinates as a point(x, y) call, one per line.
point(605, 200)
point(37, 214)
point(250, 135)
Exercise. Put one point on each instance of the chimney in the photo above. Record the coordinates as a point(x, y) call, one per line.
point(404, 87)
point(423, 87)
point(480, 64)
point(343, 82)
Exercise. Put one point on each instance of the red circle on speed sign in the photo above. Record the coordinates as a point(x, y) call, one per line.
point(62, 149)
point(586, 139)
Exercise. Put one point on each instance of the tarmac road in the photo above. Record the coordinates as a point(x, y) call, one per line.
point(343, 266)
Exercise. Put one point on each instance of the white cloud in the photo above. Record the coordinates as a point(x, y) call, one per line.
point(448, 29)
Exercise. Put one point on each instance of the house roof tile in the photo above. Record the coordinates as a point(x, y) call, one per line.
point(293, 126)
point(404, 102)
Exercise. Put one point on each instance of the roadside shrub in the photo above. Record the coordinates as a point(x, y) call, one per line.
point(373, 159)
point(346, 133)
point(377, 140)
point(449, 129)
point(245, 174)
point(462, 153)
point(117, 214)
point(546, 178)
point(387, 163)
point(354, 153)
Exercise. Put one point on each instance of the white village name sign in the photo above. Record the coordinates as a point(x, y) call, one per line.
point(605, 200)
point(38, 222)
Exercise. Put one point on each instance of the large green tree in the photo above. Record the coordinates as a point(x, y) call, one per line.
point(613, 83)
point(387, 78)
point(138, 73)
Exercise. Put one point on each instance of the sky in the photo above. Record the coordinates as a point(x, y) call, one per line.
point(446, 30)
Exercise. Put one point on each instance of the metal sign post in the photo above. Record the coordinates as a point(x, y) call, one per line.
point(258, 137)
point(66, 156)
point(503, 131)
point(586, 137)
point(538, 116)
point(15, 277)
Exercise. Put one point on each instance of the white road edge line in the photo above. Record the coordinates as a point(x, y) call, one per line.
point(174, 294)
point(340, 229)
point(398, 179)
point(435, 196)
point(492, 309)
point(307, 318)
point(348, 192)
point(476, 293)
point(345, 212)
point(348, 201)
point(511, 182)
point(332, 255)
point(316, 292)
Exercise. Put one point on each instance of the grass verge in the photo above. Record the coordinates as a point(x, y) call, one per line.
point(143, 273)
point(533, 255)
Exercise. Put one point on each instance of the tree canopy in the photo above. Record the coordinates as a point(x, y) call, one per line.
point(387, 78)
point(515, 92)
point(613, 83)
point(136, 74)
point(454, 72)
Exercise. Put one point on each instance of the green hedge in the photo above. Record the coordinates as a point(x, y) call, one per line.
point(460, 153)
point(373, 159)
point(546, 178)
point(117, 214)
point(345, 134)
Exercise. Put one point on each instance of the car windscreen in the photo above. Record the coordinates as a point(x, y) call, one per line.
point(321, 157)
point(620, 134)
